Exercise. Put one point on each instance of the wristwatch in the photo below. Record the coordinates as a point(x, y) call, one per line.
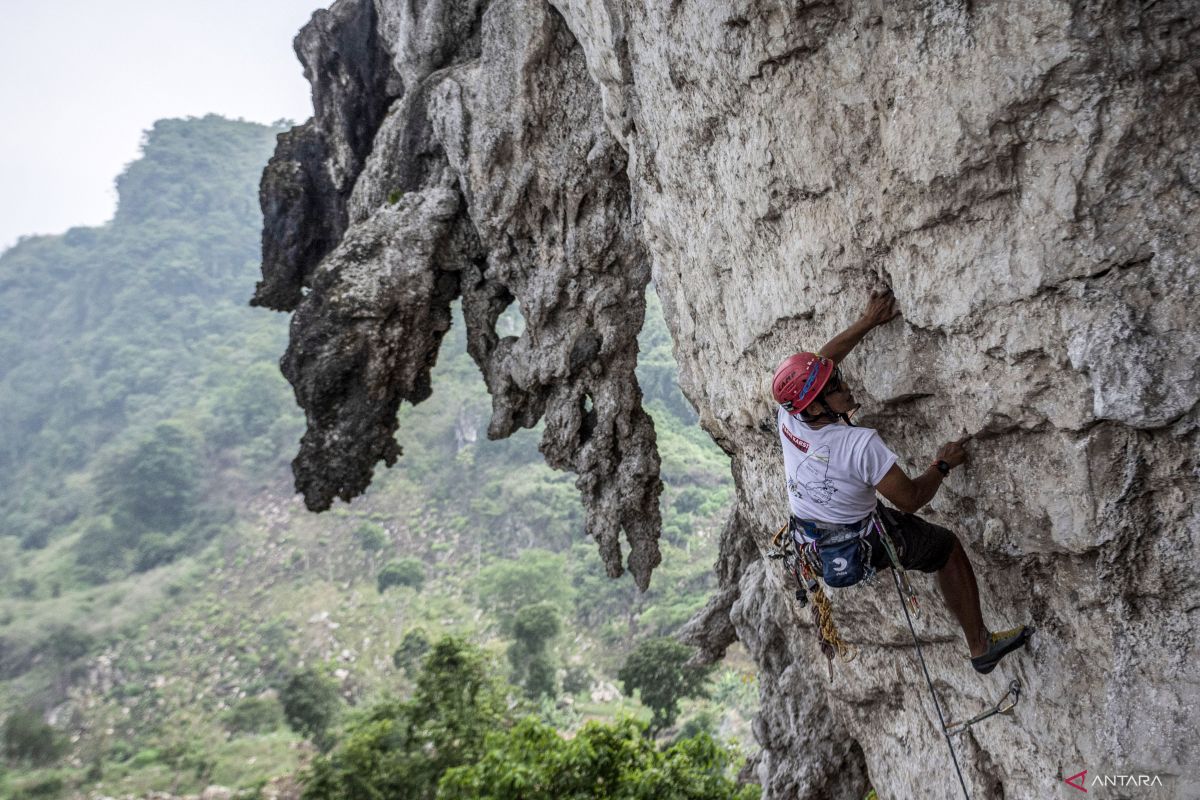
point(942, 467)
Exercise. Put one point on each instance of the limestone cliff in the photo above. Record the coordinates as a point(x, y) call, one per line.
point(1026, 178)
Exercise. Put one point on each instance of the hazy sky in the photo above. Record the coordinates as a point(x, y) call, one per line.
point(80, 81)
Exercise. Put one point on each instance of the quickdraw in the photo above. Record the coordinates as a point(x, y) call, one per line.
point(890, 546)
point(1005, 705)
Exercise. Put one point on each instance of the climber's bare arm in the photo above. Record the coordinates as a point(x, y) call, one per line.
point(910, 494)
point(881, 307)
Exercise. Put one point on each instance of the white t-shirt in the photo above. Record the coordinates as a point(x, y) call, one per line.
point(832, 471)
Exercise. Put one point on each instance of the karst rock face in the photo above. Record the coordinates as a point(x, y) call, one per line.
point(1024, 176)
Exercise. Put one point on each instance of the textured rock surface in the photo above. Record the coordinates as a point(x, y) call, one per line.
point(1025, 176)
point(492, 177)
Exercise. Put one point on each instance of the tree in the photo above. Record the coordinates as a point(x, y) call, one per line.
point(405, 572)
point(412, 649)
point(371, 537)
point(533, 629)
point(102, 550)
point(658, 670)
point(28, 738)
point(310, 705)
point(400, 749)
point(67, 643)
point(246, 408)
point(602, 761)
point(538, 577)
point(155, 485)
point(254, 715)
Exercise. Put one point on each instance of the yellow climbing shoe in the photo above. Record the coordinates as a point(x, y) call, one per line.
point(1000, 645)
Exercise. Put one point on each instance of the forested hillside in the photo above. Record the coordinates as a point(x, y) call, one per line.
point(171, 617)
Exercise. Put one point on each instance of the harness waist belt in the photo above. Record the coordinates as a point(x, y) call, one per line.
point(827, 533)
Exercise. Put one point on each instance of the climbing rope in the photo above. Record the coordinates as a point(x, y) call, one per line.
point(932, 692)
point(798, 562)
point(822, 611)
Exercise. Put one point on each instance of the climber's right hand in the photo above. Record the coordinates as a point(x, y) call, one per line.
point(954, 453)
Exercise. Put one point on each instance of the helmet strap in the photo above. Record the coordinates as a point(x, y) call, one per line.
point(826, 413)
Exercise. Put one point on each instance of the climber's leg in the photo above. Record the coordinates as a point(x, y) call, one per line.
point(960, 590)
point(926, 547)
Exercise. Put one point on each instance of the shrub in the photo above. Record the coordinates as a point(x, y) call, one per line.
point(310, 705)
point(35, 538)
point(48, 788)
point(405, 572)
point(101, 550)
point(28, 738)
point(154, 550)
point(533, 762)
point(533, 628)
point(400, 749)
point(371, 537)
point(67, 643)
point(254, 715)
point(412, 649)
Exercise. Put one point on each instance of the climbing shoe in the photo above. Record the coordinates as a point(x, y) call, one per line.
point(1000, 645)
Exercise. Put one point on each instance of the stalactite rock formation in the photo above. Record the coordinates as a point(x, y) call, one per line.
point(1024, 175)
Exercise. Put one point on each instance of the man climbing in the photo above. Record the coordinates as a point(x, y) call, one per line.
point(834, 469)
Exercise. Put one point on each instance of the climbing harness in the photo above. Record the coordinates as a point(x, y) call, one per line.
point(798, 562)
point(802, 560)
point(802, 563)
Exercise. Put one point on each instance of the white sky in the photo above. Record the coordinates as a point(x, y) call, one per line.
point(80, 80)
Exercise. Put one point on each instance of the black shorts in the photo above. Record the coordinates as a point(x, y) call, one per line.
point(920, 544)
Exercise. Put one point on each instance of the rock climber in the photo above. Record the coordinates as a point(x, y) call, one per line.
point(834, 470)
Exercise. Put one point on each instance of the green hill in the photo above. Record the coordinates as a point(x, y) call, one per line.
point(160, 584)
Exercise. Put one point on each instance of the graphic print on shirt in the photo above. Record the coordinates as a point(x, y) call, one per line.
point(812, 475)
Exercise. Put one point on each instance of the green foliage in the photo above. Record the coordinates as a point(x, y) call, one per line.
point(248, 407)
point(412, 649)
point(41, 789)
point(102, 550)
point(534, 626)
point(154, 486)
point(310, 705)
point(658, 670)
point(255, 715)
point(192, 169)
point(371, 537)
point(27, 738)
point(403, 572)
point(66, 643)
point(612, 762)
point(135, 383)
point(111, 330)
point(400, 749)
point(732, 689)
point(577, 678)
point(539, 576)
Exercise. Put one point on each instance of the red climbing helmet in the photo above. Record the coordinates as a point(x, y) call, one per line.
point(798, 380)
